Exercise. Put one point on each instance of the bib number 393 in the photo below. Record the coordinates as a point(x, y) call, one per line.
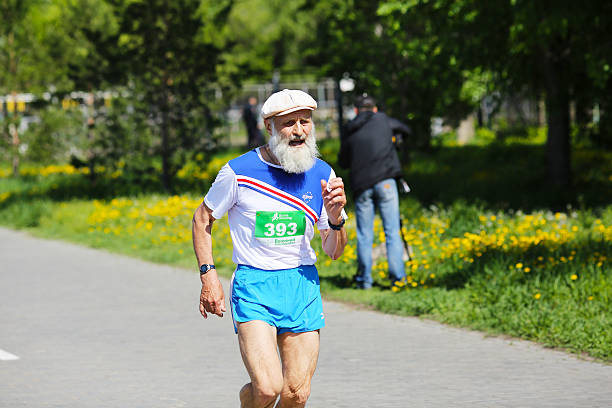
point(279, 228)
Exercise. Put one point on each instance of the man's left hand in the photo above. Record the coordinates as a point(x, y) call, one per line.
point(334, 198)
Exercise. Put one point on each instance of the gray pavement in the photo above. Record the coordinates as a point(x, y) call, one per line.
point(93, 329)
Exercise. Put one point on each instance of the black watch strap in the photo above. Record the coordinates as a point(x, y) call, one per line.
point(205, 268)
point(336, 227)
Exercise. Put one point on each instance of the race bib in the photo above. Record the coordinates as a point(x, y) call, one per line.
point(279, 228)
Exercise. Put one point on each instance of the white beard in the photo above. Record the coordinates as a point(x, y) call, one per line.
point(294, 159)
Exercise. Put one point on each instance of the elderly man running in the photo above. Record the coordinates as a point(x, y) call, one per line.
point(274, 196)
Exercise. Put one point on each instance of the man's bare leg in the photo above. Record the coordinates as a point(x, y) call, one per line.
point(257, 341)
point(299, 354)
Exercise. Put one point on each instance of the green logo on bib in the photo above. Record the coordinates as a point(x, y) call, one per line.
point(279, 228)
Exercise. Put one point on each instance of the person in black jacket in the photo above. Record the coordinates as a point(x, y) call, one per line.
point(254, 135)
point(367, 149)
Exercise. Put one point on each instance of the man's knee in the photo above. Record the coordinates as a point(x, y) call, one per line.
point(297, 395)
point(266, 394)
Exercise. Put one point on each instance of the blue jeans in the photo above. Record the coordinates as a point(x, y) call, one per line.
point(383, 195)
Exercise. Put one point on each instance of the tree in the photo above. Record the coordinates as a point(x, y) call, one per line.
point(259, 38)
point(24, 61)
point(555, 49)
point(44, 47)
point(396, 55)
point(172, 67)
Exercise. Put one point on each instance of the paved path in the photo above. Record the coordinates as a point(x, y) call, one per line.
point(93, 329)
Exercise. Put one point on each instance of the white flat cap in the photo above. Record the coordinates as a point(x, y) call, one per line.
point(287, 101)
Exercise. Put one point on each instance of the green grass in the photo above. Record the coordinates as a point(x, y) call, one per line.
point(549, 279)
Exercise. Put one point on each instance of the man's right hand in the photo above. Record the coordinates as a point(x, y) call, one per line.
point(212, 298)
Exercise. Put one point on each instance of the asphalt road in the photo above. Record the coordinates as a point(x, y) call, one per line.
point(86, 328)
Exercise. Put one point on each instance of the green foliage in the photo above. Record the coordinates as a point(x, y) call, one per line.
point(398, 56)
point(122, 139)
point(484, 136)
point(25, 214)
point(23, 55)
point(260, 37)
point(57, 135)
point(172, 67)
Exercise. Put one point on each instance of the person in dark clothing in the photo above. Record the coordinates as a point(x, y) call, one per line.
point(367, 149)
point(249, 115)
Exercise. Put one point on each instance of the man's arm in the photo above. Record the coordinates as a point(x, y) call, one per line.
point(334, 200)
point(398, 126)
point(212, 298)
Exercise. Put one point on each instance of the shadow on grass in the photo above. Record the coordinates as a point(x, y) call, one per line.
point(495, 176)
point(508, 177)
point(28, 202)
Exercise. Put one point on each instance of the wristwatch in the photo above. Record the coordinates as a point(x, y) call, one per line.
point(336, 227)
point(205, 268)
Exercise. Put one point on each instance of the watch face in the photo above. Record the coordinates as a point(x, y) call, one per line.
point(206, 267)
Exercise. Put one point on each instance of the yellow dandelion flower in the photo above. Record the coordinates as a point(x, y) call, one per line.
point(395, 289)
point(518, 265)
point(590, 298)
point(527, 269)
point(537, 296)
point(432, 276)
point(574, 277)
point(414, 284)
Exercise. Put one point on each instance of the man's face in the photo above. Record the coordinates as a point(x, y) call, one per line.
point(293, 141)
point(292, 128)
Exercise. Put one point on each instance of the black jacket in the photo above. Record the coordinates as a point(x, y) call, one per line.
point(367, 149)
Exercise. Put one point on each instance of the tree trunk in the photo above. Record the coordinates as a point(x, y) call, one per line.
point(91, 136)
point(558, 120)
point(165, 143)
point(422, 133)
point(15, 143)
point(14, 132)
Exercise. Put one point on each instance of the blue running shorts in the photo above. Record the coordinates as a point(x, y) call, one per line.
point(288, 299)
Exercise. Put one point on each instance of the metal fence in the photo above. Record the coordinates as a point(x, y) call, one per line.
point(325, 117)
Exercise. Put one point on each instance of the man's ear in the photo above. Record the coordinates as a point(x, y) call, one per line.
point(268, 125)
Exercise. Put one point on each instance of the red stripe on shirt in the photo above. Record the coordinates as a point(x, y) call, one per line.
point(286, 197)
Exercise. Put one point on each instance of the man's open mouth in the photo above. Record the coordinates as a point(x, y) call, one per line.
point(295, 143)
